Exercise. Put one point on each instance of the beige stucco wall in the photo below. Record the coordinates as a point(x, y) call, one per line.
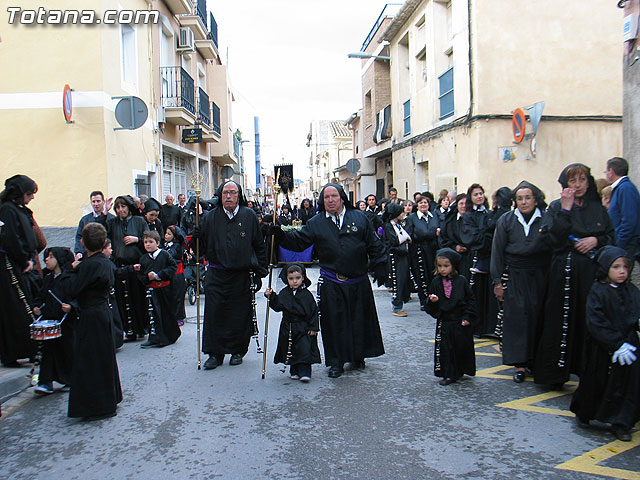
point(464, 156)
point(68, 161)
point(568, 54)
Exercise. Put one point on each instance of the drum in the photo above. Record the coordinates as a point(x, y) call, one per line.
point(46, 329)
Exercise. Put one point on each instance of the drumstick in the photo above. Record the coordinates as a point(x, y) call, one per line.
point(54, 296)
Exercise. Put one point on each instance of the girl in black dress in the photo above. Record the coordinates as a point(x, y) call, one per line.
point(451, 304)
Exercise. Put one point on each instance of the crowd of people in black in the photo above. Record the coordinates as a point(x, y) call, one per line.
point(552, 283)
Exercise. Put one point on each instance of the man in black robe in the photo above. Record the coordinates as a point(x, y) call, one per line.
point(347, 245)
point(235, 250)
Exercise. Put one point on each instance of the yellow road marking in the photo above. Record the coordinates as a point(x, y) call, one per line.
point(588, 462)
point(527, 403)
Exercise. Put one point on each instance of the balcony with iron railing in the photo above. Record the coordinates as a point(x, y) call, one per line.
point(196, 20)
point(214, 133)
point(204, 113)
point(177, 95)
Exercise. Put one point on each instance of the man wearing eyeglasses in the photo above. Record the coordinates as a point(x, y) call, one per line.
point(236, 254)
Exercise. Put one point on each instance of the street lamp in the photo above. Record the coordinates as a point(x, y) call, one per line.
point(368, 55)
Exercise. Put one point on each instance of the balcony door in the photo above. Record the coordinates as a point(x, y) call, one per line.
point(167, 55)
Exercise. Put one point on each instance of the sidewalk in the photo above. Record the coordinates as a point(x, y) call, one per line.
point(14, 380)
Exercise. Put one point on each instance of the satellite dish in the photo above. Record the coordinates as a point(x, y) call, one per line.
point(131, 113)
point(227, 172)
point(353, 166)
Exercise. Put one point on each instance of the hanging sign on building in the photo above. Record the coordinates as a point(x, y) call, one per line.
point(192, 135)
point(518, 123)
point(67, 106)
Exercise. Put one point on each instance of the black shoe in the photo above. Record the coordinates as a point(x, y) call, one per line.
point(582, 423)
point(129, 338)
point(335, 371)
point(93, 418)
point(518, 377)
point(447, 381)
point(236, 359)
point(14, 364)
point(357, 365)
point(213, 361)
point(623, 434)
point(556, 386)
point(150, 344)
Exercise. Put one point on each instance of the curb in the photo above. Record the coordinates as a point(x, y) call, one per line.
point(13, 382)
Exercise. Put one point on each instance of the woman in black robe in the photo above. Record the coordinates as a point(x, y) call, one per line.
point(423, 226)
point(306, 211)
point(125, 231)
point(95, 385)
point(174, 245)
point(479, 225)
point(519, 262)
point(17, 258)
point(396, 242)
point(452, 233)
point(609, 389)
point(151, 214)
point(577, 224)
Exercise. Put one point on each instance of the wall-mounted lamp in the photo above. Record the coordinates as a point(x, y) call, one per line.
point(368, 55)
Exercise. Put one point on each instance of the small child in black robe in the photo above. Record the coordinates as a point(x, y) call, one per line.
point(157, 269)
point(297, 340)
point(174, 246)
point(452, 304)
point(609, 389)
point(57, 354)
point(95, 385)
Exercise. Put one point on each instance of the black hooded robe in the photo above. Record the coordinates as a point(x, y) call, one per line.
point(346, 308)
point(422, 250)
point(571, 275)
point(520, 262)
point(478, 235)
point(130, 294)
point(164, 330)
point(17, 247)
point(398, 255)
point(178, 283)
point(610, 392)
point(95, 381)
point(234, 249)
point(299, 316)
point(57, 354)
point(454, 351)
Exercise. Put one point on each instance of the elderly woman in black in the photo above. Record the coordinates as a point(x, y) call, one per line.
point(423, 226)
point(479, 224)
point(519, 262)
point(18, 247)
point(452, 233)
point(578, 224)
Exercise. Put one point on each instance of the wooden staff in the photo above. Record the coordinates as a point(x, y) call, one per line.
point(198, 191)
point(266, 321)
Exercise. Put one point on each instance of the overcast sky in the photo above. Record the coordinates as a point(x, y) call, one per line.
point(288, 65)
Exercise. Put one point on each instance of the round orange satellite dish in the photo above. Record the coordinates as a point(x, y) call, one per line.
point(518, 123)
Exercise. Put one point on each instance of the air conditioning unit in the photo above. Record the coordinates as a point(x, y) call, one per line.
point(186, 40)
point(162, 115)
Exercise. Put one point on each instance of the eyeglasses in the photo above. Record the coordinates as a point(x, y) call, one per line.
point(526, 198)
point(230, 193)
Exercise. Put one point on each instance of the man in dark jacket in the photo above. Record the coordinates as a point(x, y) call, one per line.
point(624, 206)
point(170, 214)
point(99, 214)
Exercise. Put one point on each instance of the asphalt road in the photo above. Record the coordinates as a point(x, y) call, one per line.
point(389, 421)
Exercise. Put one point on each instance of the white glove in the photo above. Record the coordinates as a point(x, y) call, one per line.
point(624, 355)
